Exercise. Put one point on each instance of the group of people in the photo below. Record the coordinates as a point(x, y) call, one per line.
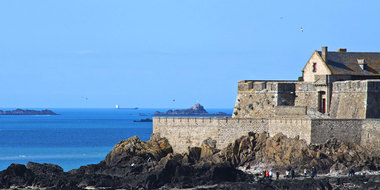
point(289, 173)
point(269, 174)
point(266, 174)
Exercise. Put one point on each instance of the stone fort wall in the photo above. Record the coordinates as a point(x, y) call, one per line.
point(260, 98)
point(184, 132)
point(354, 99)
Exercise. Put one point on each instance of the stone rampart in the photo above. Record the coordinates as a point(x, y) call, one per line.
point(184, 132)
point(348, 130)
point(260, 98)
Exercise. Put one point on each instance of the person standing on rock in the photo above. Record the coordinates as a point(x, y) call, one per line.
point(287, 173)
point(304, 173)
point(292, 173)
point(351, 172)
point(277, 175)
point(270, 174)
point(313, 172)
point(248, 167)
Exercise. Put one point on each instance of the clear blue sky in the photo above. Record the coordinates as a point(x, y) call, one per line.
point(147, 53)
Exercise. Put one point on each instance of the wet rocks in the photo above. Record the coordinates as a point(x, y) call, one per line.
point(128, 166)
point(280, 152)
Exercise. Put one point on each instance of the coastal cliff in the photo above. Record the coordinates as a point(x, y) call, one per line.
point(196, 109)
point(135, 164)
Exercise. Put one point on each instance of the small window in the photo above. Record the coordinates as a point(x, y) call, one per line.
point(314, 67)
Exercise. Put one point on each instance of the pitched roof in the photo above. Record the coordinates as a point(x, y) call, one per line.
point(346, 63)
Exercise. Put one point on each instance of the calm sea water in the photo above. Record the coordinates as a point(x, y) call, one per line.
point(72, 139)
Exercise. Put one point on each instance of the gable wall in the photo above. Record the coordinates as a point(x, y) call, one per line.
point(322, 69)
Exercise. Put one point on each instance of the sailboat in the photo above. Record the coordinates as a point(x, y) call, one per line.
point(117, 106)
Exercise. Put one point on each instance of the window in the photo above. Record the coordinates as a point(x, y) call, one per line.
point(314, 67)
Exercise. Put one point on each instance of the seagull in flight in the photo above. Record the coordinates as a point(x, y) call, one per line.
point(84, 97)
point(301, 29)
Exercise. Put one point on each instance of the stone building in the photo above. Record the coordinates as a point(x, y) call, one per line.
point(337, 84)
point(338, 96)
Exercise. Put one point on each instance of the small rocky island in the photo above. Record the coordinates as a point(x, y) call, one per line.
point(197, 110)
point(27, 112)
point(143, 120)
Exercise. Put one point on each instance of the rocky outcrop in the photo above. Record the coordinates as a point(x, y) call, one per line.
point(135, 164)
point(280, 152)
point(197, 109)
point(27, 112)
point(135, 151)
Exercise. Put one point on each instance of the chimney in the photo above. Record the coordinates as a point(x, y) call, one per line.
point(324, 53)
point(342, 50)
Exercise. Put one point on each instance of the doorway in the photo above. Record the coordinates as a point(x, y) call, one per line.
point(322, 101)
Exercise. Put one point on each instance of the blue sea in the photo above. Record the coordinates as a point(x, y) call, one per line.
point(72, 139)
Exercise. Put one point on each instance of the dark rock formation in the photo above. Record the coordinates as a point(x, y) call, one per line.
point(280, 152)
point(197, 109)
point(27, 112)
point(134, 164)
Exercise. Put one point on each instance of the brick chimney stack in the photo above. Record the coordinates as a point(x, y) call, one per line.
point(324, 53)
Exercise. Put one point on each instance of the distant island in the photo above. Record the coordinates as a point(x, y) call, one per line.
point(27, 112)
point(197, 109)
point(143, 120)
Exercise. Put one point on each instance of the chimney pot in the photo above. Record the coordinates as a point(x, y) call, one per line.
point(342, 50)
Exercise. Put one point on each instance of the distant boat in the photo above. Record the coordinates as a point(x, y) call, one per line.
point(117, 106)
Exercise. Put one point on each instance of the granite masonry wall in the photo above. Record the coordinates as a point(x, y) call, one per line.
point(370, 136)
point(348, 130)
point(349, 100)
point(184, 132)
point(260, 98)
